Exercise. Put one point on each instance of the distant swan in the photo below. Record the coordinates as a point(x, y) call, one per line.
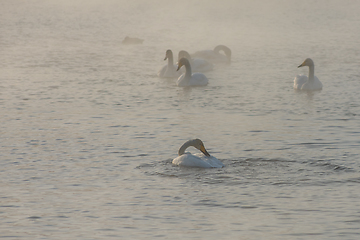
point(169, 70)
point(130, 40)
point(202, 160)
point(214, 56)
point(189, 79)
point(197, 64)
point(302, 82)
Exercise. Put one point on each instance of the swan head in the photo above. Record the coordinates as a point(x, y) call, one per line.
point(184, 54)
point(226, 50)
point(196, 143)
point(200, 145)
point(308, 62)
point(168, 54)
point(183, 61)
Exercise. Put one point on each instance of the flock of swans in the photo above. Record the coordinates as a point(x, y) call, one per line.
point(198, 62)
point(203, 61)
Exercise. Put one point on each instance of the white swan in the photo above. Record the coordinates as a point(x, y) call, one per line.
point(214, 56)
point(169, 70)
point(311, 82)
point(189, 79)
point(202, 160)
point(197, 64)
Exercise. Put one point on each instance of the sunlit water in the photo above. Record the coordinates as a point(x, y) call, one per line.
point(88, 130)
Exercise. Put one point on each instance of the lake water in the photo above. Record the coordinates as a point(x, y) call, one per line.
point(88, 130)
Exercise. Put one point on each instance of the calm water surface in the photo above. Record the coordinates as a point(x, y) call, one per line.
point(88, 130)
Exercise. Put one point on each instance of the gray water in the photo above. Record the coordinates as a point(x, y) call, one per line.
point(88, 130)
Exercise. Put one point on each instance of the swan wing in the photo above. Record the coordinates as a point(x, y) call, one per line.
point(169, 72)
point(312, 85)
point(299, 81)
point(198, 79)
point(211, 56)
point(204, 54)
point(190, 160)
point(212, 161)
point(180, 82)
point(162, 71)
point(317, 83)
point(201, 65)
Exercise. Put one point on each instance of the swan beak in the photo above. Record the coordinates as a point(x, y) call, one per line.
point(203, 150)
point(165, 58)
point(178, 70)
point(301, 65)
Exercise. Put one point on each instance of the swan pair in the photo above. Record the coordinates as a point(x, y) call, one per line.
point(201, 160)
point(307, 83)
point(202, 62)
point(186, 79)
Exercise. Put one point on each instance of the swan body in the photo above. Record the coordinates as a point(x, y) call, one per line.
point(130, 40)
point(214, 56)
point(197, 64)
point(169, 70)
point(188, 78)
point(307, 83)
point(201, 160)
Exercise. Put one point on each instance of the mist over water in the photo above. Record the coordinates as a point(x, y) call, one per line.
point(89, 131)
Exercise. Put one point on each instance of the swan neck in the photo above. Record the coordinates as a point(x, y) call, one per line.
point(311, 72)
point(188, 70)
point(170, 60)
point(183, 148)
point(184, 54)
point(187, 55)
point(225, 49)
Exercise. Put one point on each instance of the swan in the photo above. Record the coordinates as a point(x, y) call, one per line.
point(130, 40)
point(188, 79)
point(214, 56)
point(169, 70)
point(202, 160)
point(197, 64)
point(302, 82)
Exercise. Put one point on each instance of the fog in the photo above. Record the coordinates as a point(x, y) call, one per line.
point(190, 25)
point(89, 130)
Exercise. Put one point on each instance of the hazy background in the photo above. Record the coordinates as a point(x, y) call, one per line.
point(88, 130)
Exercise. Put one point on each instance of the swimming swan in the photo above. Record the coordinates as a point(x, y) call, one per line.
point(189, 79)
point(197, 64)
point(202, 160)
point(169, 70)
point(302, 82)
point(215, 56)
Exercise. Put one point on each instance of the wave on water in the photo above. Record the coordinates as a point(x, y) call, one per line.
point(255, 171)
